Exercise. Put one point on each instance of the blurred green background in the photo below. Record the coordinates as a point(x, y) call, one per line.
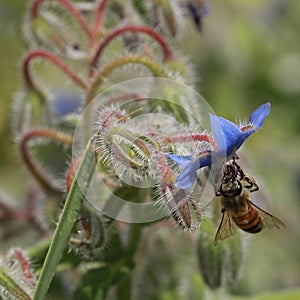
point(247, 54)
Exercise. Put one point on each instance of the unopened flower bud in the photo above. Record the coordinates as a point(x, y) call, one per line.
point(89, 235)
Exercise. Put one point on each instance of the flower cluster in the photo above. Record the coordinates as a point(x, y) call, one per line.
point(137, 156)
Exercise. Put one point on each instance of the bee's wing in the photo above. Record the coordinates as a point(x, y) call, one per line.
point(226, 228)
point(269, 220)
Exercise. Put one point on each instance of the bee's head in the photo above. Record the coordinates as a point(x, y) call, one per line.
point(230, 187)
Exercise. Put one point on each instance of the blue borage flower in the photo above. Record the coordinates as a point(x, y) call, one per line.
point(228, 137)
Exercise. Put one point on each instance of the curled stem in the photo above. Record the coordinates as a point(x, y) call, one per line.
point(168, 54)
point(26, 156)
point(69, 6)
point(8, 213)
point(53, 59)
point(154, 67)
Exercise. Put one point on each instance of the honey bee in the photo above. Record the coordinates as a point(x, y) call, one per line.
point(237, 209)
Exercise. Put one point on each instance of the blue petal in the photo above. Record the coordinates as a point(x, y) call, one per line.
point(187, 177)
point(242, 139)
point(258, 116)
point(227, 135)
point(180, 159)
point(256, 120)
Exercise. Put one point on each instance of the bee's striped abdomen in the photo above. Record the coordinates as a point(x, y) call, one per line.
point(248, 220)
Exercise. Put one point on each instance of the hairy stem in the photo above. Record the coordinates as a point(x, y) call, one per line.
point(8, 213)
point(154, 67)
point(53, 59)
point(69, 6)
point(98, 20)
point(168, 54)
point(27, 158)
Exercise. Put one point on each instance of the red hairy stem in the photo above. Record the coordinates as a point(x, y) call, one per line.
point(34, 10)
point(8, 213)
point(194, 138)
point(98, 21)
point(132, 28)
point(71, 172)
point(31, 202)
point(24, 263)
point(27, 158)
point(53, 59)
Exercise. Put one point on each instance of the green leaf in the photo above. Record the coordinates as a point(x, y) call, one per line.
point(96, 282)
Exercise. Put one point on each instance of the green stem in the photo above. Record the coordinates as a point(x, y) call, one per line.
point(134, 240)
point(124, 288)
point(156, 69)
point(66, 222)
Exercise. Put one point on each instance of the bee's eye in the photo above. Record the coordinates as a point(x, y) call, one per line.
point(239, 187)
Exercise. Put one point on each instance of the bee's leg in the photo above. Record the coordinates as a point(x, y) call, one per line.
point(255, 187)
point(240, 172)
point(235, 156)
point(252, 185)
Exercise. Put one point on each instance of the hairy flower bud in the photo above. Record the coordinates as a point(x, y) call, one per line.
point(210, 258)
point(89, 235)
point(234, 260)
point(183, 208)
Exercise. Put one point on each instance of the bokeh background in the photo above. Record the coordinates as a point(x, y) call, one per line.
point(247, 53)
